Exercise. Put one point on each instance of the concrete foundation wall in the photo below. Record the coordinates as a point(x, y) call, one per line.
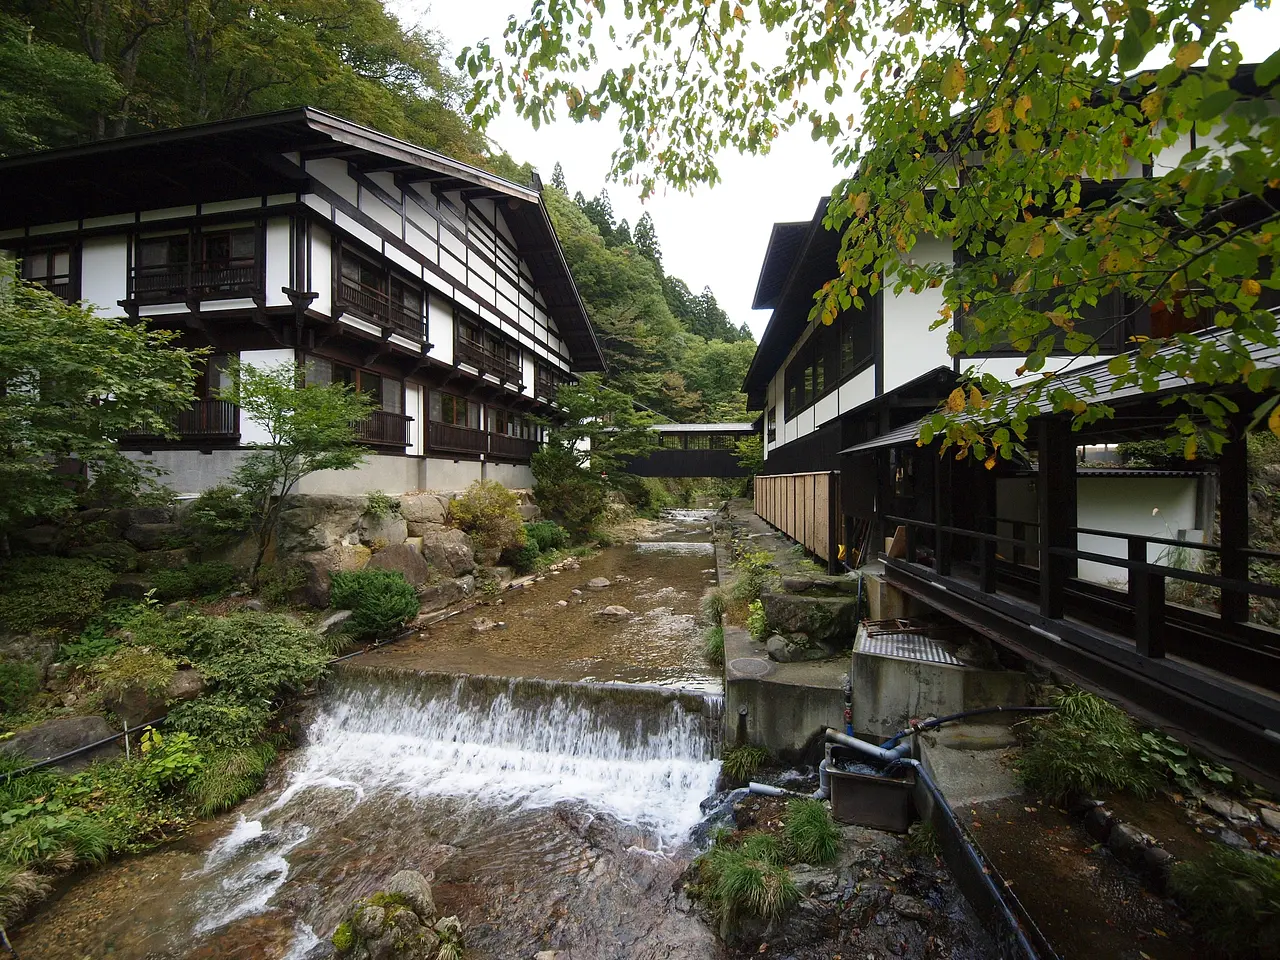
point(786, 719)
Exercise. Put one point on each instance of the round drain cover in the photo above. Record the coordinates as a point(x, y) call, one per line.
point(750, 667)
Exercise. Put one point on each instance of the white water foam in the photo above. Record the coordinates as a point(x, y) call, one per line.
point(677, 548)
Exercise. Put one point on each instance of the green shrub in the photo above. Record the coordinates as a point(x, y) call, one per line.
point(757, 622)
point(52, 591)
point(219, 516)
point(741, 762)
point(256, 656)
point(170, 760)
point(194, 580)
point(1087, 746)
point(714, 604)
point(751, 572)
point(380, 601)
point(524, 558)
point(1233, 898)
point(277, 582)
point(568, 493)
point(229, 776)
point(810, 832)
point(922, 839)
point(488, 512)
point(380, 505)
point(134, 668)
point(547, 534)
point(19, 682)
point(222, 719)
point(713, 646)
point(60, 839)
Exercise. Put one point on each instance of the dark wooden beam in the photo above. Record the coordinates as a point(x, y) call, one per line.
point(1056, 492)
point(1233, 522)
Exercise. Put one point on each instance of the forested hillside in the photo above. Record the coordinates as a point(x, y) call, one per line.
point(76, 70)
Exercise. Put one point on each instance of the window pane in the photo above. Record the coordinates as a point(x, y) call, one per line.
point(371, 386)
point(35, 267)
point(217, 249)
point(243, 244)
point(350, 267)
point(319, 371)
point(392, 395)
point(343, 374)
point(473, 415)
point(434, 407)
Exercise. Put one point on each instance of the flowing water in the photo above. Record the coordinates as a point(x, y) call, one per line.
point(550, 814)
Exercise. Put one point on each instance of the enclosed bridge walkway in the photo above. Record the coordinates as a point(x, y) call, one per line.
point(694, 450)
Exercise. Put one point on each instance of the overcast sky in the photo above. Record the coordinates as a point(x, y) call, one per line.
point(715, 236)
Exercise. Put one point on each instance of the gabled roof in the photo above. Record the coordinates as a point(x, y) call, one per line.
point(231, 159)
point(809, 252)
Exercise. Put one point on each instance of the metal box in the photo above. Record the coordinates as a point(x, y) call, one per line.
point(883, 803)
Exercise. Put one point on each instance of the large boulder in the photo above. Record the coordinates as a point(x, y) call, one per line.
point(414, 890)
point(136, 705)
point(56, 737)
point(154, 560)
point(449, 551)
point(38, 648)
point(404, 559)
point(154, 536)
point(445, 592)
point(820, 618)
point(318, 565)
point(43, 538)
point(795, 649)
point(312, 523)
point(387, 530)
point(115, 554)
point(131, 515)
point(397, 923)
point(423, 508)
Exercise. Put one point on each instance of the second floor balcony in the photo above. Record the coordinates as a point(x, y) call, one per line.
point(180, 282)
point(488, 357)
point(376, 305)
point(208, 420)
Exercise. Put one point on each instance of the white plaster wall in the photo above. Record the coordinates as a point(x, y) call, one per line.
point(321, 277)
point(440, 474)
point(333, 174)
point(413, 406)
point(1125, 505)
point(279, 234)
point(440, 328)
point(252, 431)
point(910, 347)
point(104, 272)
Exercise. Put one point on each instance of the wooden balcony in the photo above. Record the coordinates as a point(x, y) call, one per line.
point(382, 428)
point(177, 283)
point(452, 439)
point(486, 360)
point(374, 304)
point(206, 420)
point(544, 386)
point(511, 448)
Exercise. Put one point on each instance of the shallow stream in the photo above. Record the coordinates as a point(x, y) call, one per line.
point(551, 814)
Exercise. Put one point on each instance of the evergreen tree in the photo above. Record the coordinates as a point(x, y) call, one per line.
point(622, 235)
point(557, 179)
point(646, 240)
point(600, 212)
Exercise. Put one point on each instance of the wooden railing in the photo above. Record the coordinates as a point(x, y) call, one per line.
point(806, 507)
point(511, 448)
point(379, 307)
point(382, 428)
point(207, 419)
point(486, 360)
point(544, 386)
point(176, 282)
point(453, 439)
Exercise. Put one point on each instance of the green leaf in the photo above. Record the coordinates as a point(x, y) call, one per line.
point(1268, 70)
point(1213, 106)
point(1119, 366)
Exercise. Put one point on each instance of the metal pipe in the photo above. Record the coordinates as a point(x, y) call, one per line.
point(939, 721)
point(869, 749)
point(769, 790)
point(824, 781)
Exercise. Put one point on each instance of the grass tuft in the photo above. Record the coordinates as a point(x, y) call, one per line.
point(747, 880)
point(713, 646)
point(20, 887)
point(741, 762)
point(228, 777)
point(810, 831)
point(714, 604)
point(1233, 898)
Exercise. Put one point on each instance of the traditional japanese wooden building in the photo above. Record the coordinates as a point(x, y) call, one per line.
point(437, 288)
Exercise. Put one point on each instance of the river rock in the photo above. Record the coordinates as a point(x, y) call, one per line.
point(795, 584)
point(423, 508)
point(415, 890)
point(137, 706)
point(910, 907)
point(333, 624)
point(313, 523)
point(1128, 843)
point(562, 603)
point(388, 530)
point(794, 649)
point(153, 536)
point(614, 612)
point(599, 583)
point(814, 881)
point(449, 551)
point(405, 560)
point(443, 593)
point(484, 625)
point(1097, 823)
point(318, 565)
point(1229, 809)
point(818, 618)
point(55, 737)
point(1270, 819)
point(398, 923)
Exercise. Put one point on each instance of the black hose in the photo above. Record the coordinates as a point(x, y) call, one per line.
point(939, 721)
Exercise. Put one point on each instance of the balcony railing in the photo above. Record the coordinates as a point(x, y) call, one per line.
point(511, 448)
point(171, 283)
point(382, 428)
point(206, 420)
point(487, 360)
point(454, 439)
point(545, 386)
point(377, 306)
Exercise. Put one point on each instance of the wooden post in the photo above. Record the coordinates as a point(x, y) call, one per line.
point(942, 515)
point(986, 493)
point(1056, 493)
point(1137, 554)
point(1233, 521)
point(833, 523)
point(1148, 612)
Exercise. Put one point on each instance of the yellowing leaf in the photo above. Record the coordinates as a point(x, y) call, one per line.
point(953, 80)
point(1152, 105)
point(905, 22)
point(1189, 451)
point(860, 203)
point(1251, 288)
point(1273, 421)
point(1188, 54)
point(955, 402)
point(975, 398)
point(1021, 107)
point(1079, 407)
point(990, 462)
point(1037, 246)
point(1022, 283)
point(995, 120)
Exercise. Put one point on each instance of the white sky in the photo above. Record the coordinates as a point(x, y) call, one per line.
point(714, 236)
